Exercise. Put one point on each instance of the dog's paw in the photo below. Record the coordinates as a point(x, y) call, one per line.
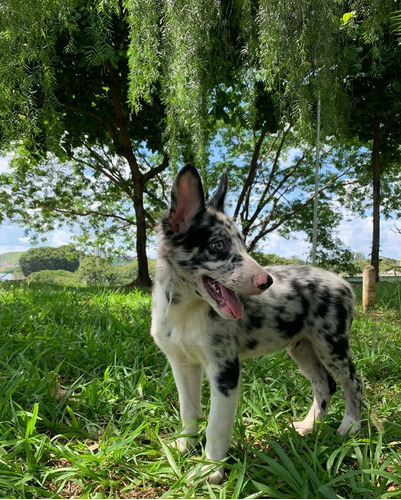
point(349, 426)
point(216, 477)
point(184, 444)
point(302, 428)
point(211, 473)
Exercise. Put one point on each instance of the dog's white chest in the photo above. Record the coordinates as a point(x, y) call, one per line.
point(181, 330)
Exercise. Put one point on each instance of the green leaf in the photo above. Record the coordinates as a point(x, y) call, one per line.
point(32, 421)
point(347, 17)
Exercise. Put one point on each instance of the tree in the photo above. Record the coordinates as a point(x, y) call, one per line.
point(272, 172)
point(295, 46)
point(97, 83)
point(48, 258)
point(97, 271)
point(78, 148)
point(376, 121)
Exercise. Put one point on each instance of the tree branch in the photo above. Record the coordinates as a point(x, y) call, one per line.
point(156, 170)
point(86, 213)
point(263, 232)
point(252, 172)
point(114, 176)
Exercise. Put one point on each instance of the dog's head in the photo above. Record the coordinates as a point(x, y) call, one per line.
point(204, 246)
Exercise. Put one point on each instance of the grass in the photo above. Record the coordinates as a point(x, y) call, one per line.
point(88, 408)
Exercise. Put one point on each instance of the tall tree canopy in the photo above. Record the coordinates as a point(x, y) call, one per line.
point(376, 120)
point(109, 94)
point(176, 50)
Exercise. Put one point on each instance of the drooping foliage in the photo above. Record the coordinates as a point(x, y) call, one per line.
point(27, 47)
point(181, 50)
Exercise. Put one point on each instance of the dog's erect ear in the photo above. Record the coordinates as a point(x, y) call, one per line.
point(217, 200)
point(187, 198)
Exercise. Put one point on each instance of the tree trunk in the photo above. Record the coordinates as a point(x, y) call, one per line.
point(143, 278)
point(374, 260)
point(124, 148)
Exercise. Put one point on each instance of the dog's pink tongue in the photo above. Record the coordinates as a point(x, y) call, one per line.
point(232, 307)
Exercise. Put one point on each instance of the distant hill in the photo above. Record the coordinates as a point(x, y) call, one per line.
point(10, 258)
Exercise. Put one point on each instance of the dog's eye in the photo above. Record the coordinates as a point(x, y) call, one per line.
point(218, 245)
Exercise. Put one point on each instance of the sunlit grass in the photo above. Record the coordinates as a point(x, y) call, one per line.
point(89, 409)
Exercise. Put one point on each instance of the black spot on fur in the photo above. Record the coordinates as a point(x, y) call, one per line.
point(324, 304)
point(227, 379)
point(252, 344)
point(323, 404)
point(301, 293)
point(341, 317)
point(253, 314)
point(322, 309)
point(216, 339)
point(255, 320)
point(200, 234)
point(339, 347)
point(351, 370)
point(236, 259)
point(212, 313)
point(277, 275)
point(332, 384)
point(291, 328)
point(326, 327)
point(345, 292)
point(303, 271)
point(297, 286)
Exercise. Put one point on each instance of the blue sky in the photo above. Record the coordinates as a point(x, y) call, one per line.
point(354, 232)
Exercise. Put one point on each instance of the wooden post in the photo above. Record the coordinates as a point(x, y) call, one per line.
point(368, 288)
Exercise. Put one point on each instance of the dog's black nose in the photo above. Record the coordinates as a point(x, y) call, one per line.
point(264, 283)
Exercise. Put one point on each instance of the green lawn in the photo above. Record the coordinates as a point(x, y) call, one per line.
point(88, 408)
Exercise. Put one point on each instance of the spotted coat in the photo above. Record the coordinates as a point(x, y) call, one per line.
point(214, 306)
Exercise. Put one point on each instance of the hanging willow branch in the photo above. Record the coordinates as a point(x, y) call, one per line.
point(181, 50)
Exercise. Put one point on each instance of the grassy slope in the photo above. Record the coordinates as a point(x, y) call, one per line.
point(88, 408)
point(10, 257)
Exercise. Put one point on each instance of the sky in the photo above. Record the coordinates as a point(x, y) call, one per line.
point(356, 233)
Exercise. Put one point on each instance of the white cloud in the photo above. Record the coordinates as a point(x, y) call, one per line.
point(296, 246)
point(24, 239)
point(13, 248)
point(357, 234)
point(59, 238)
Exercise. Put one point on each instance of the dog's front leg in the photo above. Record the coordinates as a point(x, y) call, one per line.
point(188, 379)
point(224, 389)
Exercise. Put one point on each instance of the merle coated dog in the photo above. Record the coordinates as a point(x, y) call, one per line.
point(214, 306)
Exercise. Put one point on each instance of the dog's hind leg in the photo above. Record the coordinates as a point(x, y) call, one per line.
point(323, 384)
point(335, 355)
point(351, 385)
point(188, 379)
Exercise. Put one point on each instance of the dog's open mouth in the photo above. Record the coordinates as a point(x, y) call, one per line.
point(226, 300)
